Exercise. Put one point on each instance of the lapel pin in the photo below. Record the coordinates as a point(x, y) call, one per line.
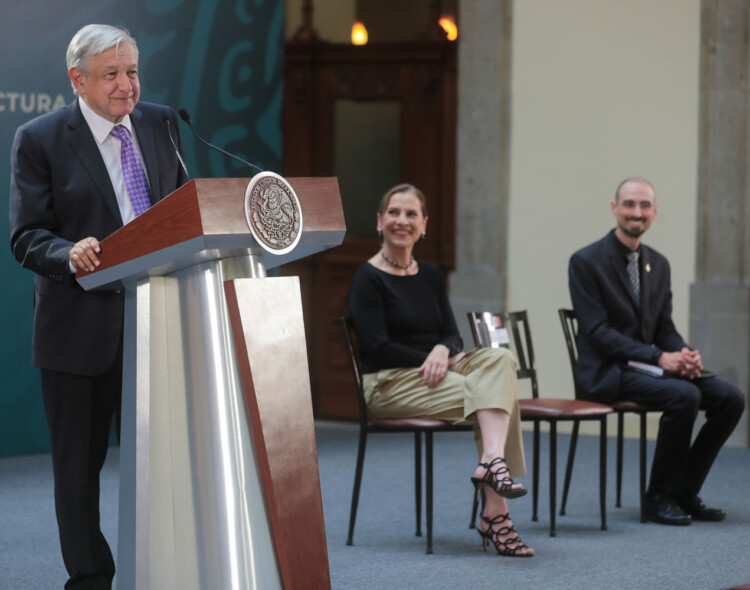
point(648, 267)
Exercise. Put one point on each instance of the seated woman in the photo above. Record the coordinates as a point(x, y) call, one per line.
point(413, 364)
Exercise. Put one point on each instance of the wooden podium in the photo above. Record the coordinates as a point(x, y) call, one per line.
point(219, 484)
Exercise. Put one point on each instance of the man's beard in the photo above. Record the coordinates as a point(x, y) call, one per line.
point(633, 233)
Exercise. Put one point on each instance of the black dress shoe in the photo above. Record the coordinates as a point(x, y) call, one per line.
point(695, 507)
point(663, 509)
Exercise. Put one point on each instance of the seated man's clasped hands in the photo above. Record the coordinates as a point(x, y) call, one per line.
point(685, 363)
point(413, 364)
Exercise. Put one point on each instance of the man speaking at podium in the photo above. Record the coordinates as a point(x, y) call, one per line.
point(77, 175)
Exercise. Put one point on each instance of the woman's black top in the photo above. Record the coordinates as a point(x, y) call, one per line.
point(399, 319)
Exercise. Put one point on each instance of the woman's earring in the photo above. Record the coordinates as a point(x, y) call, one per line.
point(380, 233)
point(423, 236)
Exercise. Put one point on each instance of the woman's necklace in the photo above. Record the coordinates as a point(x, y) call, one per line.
point(392, 262)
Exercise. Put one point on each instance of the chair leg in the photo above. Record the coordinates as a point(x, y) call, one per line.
point(552, 476)
point(418, 480)
point(603, 471)
point(643, 467)
point(428, 487)
point(620, 427)
point(357, 482)
point(569, 467)
point(535, 474)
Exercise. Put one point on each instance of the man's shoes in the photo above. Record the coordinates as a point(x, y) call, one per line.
point(695, 507)
point(663, 509)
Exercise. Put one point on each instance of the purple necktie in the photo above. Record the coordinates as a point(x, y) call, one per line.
point(132, 171)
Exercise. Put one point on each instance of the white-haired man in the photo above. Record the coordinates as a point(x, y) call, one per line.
point(77, 175)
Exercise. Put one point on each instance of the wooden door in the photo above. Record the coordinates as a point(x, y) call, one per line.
point(373, 116)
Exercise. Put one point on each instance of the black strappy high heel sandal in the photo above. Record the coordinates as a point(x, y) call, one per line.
point(509, 547)
point(498, 478)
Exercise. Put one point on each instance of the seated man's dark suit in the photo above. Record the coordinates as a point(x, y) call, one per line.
point(612, 330)
point(61, 193)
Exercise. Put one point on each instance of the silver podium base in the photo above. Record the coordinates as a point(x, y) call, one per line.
point(192, 513)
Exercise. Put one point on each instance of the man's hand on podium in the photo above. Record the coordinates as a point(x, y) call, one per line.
point(83, 255)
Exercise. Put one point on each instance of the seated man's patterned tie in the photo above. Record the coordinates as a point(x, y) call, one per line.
point(635, 276)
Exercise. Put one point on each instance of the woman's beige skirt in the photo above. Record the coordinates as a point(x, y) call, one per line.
point(484, 379)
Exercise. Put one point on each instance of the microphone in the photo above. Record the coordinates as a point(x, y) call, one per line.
point(174, 145)
point(186, 117)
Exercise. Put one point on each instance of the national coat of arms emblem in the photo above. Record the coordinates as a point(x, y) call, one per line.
point(273, 213)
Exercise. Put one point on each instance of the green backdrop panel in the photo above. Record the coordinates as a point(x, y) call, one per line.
point(219, 59)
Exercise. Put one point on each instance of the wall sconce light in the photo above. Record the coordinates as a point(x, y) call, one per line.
point(359, 34)
point(449, 27)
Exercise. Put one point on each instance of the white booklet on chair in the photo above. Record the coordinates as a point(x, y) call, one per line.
point(499, 337)
point(646, 368)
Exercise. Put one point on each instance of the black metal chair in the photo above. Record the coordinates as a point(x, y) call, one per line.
point(570, 330)
point(418, 426)
point(488, 329)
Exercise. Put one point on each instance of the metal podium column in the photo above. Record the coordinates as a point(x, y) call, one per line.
point(192, 513)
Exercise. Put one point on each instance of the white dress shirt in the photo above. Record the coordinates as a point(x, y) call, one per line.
point(110, 148)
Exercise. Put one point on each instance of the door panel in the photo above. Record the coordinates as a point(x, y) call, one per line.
point(373, 116)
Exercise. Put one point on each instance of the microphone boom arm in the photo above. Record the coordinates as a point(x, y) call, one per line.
point(186, 117)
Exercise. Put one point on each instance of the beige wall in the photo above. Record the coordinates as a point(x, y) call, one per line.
point(601, 90)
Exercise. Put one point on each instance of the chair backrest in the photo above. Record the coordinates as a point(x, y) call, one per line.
point(486, 328)
point(489, 329)
point(570, 331)
point(351, 346)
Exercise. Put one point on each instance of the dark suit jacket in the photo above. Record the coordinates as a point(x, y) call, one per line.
point(611, 330)
point(60, 193)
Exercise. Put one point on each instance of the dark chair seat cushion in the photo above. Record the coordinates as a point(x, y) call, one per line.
point(412, 424)
point(560, 408)
point(626, 406)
